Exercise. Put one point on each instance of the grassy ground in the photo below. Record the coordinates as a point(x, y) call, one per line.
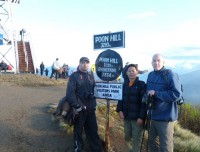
point(30, 80)
point(184, 140)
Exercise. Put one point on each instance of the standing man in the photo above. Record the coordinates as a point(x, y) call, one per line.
point(80, 94)
point(55, 67)
point(131, 109)
point(164, 112)
point(42, 68)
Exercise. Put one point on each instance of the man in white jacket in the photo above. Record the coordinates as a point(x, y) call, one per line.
point(55, 67)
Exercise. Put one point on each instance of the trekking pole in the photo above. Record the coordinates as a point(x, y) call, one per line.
point(149, 116)
point(148, 129)
point(145, 126)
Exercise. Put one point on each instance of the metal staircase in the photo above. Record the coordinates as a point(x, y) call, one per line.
point(25, 57)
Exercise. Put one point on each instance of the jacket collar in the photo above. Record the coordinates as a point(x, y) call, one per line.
point(81, 72)
point(161, 70)
point(135, 81)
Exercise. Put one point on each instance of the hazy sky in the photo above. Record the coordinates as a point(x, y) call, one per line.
point(65, 29)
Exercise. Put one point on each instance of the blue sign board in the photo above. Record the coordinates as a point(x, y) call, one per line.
point(109, 40)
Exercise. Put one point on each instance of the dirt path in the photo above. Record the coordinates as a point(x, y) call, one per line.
point(25, 125)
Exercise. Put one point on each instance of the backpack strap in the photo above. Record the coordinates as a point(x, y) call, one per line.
point(165, 73)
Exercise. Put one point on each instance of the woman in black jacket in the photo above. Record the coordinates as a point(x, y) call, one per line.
point(131, 109)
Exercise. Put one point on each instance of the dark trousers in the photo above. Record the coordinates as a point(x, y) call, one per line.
point(54, 72)
point(87, 121)
point(41, 71)
point(3, 67)
point(65, 74)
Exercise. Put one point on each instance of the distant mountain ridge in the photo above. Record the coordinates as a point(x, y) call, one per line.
point(191, 86)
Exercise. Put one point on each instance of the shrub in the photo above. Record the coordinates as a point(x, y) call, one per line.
point(185, 140)
point(189, 118)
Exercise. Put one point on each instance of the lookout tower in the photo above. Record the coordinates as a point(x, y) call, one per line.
point(15, 51)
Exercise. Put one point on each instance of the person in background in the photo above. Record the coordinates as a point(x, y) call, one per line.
point(42, 68)
point(65, 70)
point(37, 71)
point(80, 94)
point(0, 66)
point(164, 106)
point(124, 75)
point(46, 72)
point(55, 67)
point(3, 66)
point(131, 109)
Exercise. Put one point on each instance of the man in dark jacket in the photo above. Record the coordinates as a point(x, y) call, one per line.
point(164, 108)
point(42, 68)
point(80, 94)
point(131, 109)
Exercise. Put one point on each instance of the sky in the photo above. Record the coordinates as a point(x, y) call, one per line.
point(64, 29)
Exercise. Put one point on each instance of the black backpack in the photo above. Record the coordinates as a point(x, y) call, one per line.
point(69, 114)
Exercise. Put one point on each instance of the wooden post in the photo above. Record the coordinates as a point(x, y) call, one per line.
point(107, 140)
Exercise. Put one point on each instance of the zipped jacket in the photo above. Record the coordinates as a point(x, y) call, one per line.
point(167, 93)
point(131, 104)
point(80, 90)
